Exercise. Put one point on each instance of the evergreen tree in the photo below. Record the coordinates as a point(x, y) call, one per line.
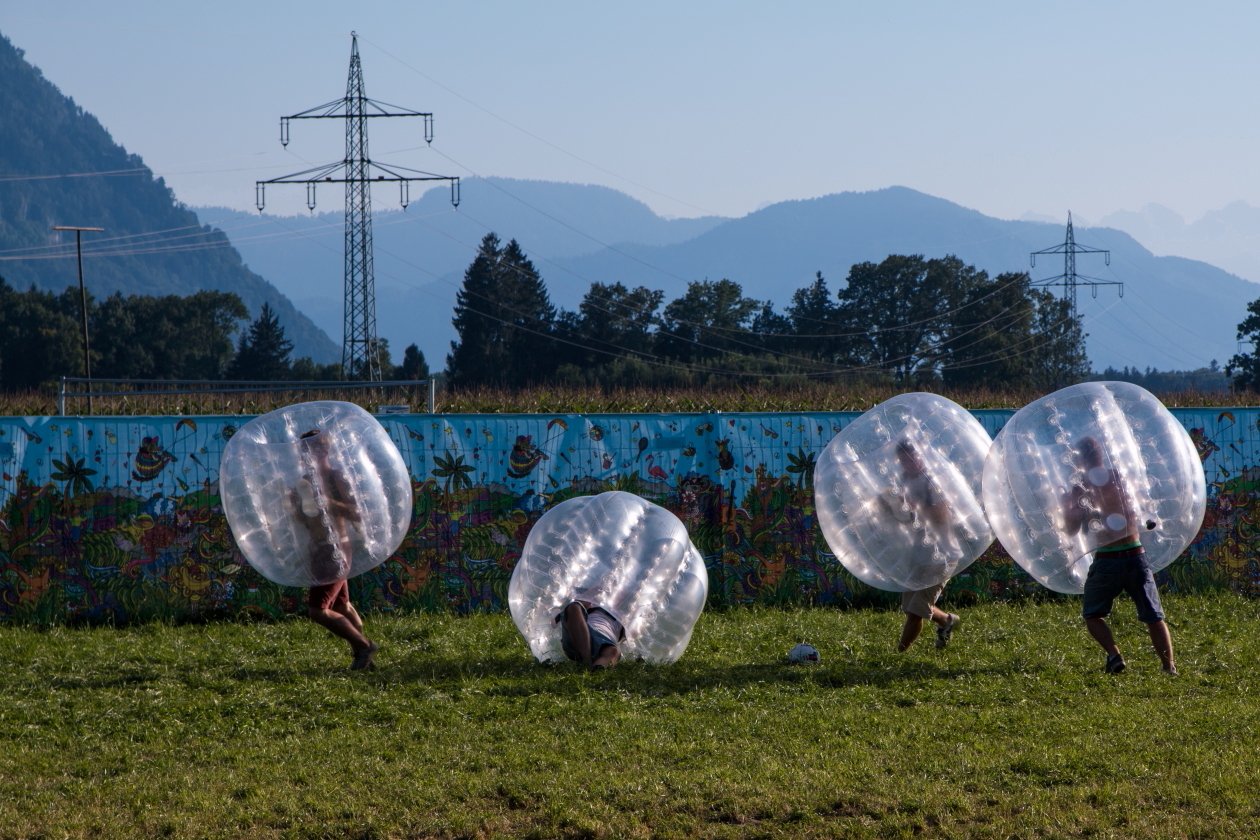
point(413, 364)
point(479, 355)
point(263, 353)
point(1243, 369)
point(771, 331)
point(504, 319)
point(815, 324)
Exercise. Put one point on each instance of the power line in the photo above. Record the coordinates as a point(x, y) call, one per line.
point(536, 137)
point(357, 172)
point(101, 173)
point(1069, 279)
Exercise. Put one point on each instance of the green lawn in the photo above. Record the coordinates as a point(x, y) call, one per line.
point(1014, 731)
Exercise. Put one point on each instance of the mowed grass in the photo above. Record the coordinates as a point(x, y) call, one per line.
point(257, 730)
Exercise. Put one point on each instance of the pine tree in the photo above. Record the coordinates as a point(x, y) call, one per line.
point(504, 319)
point(413, 364)
point(815, 322)
point(264, 350)
point(1244, 368)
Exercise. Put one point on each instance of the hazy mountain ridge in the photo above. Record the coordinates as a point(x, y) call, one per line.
point(1176, 313)
point(421, 253)
point(1228, 237)
point(775, 251)
point(46, 140)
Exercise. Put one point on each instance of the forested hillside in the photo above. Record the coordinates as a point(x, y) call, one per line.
point(59, 166)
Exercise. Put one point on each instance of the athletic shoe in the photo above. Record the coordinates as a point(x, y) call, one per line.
point(363, 659)
point(1115, 663)
point(946, 630)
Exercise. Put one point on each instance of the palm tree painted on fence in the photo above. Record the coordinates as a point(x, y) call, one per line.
point(454, 471)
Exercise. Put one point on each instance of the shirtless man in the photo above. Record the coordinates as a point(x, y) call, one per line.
point(1119, 564)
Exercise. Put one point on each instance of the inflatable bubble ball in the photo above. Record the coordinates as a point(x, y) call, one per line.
point(619, 552)
point(898, 493)
point(1094, 464)
point(314, 493)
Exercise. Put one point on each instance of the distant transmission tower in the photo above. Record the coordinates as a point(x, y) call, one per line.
point(359, 356)
point(1069, 279)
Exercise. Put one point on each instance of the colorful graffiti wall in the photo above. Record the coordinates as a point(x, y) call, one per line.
point(119, 519)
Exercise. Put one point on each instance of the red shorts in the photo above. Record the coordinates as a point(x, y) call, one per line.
point(329, 596)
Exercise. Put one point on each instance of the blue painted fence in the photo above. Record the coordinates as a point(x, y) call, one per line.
point(118, 518)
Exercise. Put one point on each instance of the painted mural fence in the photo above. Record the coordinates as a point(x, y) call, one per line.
point(118, 519)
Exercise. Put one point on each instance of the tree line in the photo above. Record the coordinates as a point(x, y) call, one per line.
point(906, 320)
point(200, 336)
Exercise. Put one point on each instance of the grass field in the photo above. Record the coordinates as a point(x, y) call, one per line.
point(256, 730)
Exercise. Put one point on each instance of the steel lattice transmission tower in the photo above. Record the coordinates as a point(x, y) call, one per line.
point(1069, 279)
point(359, 357)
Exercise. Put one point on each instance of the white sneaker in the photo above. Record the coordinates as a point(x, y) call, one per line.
point(946, 630)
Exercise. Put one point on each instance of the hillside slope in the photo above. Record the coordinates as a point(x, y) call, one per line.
point(61, 167)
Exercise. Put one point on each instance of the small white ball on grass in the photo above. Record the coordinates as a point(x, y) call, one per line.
point(804, 654)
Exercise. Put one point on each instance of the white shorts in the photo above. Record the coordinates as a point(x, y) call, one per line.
point(920, 601)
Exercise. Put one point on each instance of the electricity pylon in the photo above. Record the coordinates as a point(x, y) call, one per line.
point(1069, 279)
point(359, 356)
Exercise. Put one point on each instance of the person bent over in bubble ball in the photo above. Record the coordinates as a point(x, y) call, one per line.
point(590, 634)
point(1119, 565)
point(328, 605)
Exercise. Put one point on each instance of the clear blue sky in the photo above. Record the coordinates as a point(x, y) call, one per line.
point(693, 107)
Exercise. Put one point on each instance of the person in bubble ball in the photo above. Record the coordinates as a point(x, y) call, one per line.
point(590, 634)
point(328, 605)
point(922, 499)
point(1119, 565)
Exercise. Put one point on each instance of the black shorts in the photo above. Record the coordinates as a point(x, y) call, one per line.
point(1113, 572)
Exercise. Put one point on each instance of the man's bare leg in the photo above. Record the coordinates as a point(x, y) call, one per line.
point(579, 633)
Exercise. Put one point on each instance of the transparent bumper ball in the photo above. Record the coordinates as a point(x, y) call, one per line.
point(622, 553)
point(315, 492)
point(1091, 465)
point(898, 493)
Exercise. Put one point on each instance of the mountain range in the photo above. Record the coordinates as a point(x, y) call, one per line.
point(1140, 310)
point(60, 166)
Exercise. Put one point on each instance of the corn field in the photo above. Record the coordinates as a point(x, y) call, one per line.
point(560, 399)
